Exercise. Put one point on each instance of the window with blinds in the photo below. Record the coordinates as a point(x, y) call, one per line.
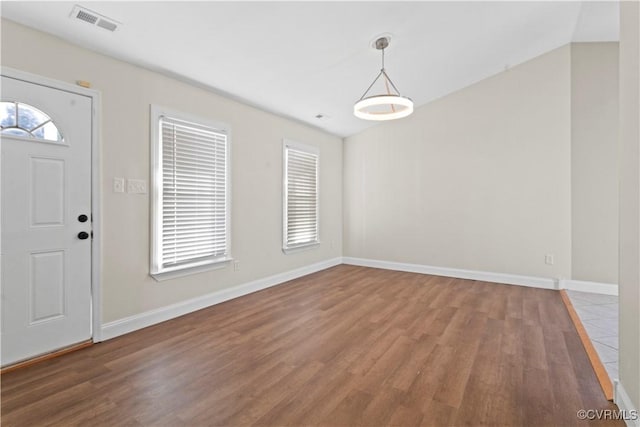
point(191, 214)
point(300, 196)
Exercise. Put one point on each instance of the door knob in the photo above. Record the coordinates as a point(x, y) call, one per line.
point(83, 218)
point(83, 235)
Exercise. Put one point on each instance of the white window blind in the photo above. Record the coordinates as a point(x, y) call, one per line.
point(192, 222)
point(301, 195)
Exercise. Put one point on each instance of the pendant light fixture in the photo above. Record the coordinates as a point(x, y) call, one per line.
point(386, 106)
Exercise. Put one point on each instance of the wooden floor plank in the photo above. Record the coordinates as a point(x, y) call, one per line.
point(596, 363)
point(345, 346)
point(42, 358)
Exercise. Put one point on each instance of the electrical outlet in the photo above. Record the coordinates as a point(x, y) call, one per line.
point(236, 265)
point(548, 259)
point(136, 186)
point(118, 185)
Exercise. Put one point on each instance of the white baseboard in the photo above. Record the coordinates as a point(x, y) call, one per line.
point(509, 279)
point(622, 399)
point(593, 287)
point(142, 320)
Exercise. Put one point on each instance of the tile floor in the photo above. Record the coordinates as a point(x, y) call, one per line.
point(599, 315)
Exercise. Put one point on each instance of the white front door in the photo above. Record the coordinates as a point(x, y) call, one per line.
point(46, 219)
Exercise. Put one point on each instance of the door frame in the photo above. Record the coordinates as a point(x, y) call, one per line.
point(96, 253)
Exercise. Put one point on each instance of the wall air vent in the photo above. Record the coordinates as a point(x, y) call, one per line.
point(93, 18)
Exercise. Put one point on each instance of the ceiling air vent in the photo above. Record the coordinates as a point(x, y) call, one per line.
point(87, 17)
point(107, 25)
point(93, 18)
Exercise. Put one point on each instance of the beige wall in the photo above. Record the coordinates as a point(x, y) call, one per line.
point(630, 200)
point(594, 162)
point(256, 171)
point(478, 180)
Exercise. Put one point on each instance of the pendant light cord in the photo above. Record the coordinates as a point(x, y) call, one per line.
point(386, 81)
point(386, 78)
point(370, 86)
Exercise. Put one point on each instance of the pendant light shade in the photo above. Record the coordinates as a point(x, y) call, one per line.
point(377, 107)
point(386, 106)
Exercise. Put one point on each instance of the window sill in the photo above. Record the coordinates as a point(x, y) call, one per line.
point(300, 248)
point(187, 271)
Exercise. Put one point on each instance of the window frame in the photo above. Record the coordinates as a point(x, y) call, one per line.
point(155, 268)
point(306, 148)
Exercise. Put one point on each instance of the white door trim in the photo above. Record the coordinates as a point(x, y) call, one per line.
point(96, 295)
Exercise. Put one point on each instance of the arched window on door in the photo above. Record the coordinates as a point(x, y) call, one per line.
point(20, 119)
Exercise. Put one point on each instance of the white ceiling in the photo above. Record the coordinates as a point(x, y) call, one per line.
point(298, 59)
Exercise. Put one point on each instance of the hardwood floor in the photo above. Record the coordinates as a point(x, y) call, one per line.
point(345, 346)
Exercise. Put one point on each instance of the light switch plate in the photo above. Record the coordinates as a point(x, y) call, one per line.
point(118, 185)
point(136, 186)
